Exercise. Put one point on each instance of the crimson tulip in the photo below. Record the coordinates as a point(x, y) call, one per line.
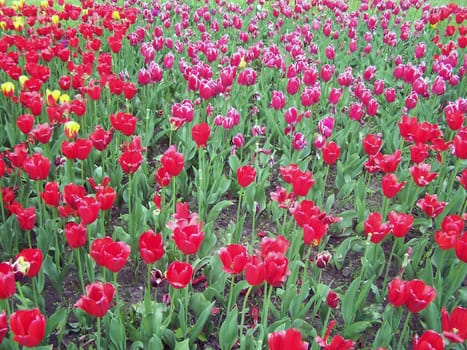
point(461, 248)
point(200, 134)
point(73, 195)
point(234, 258)
point(182, 113)
point(42, 133)
point(7, 281)
point(397, 292)
point(375, 228)
point(302, 182)
point(337, 343)
point(419, 295)
point(460, 144)
point(88, 210)
point(246, 175)
point(51, 194)
point(287, 339)
point(400, 223)
point(173, 161)
point(332, 299)
point(429, 340)
point(78, 149)
point(188, 238)
point(463, 178)
point(28, 327)
point(421, 174)
point(75, 234)
point(3, 326)
point(97, 300)
point(130, 161)
point(124, 122)
point(454, 325)
point(25, 122)
point(254, 271)
point(151, 246)
point(37, 166)
point(100, 138)
point(390, 185)
point(277, 100)
point(110, 254)
point(372, 144)
point(162, 177)
point(26, 216)
point(313, 231)
point(179, 274)
point(33, 257)
point(454, 116)
point(430, 205)
point(331, 152)
point(419, 152)
point(275, 268)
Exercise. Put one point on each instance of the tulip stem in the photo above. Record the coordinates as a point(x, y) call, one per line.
point(80, 270)
point(232, 284)
point(454, 174)
point(242, 321)
point(404, 330)
point(98, 338)
point(201, 184)
point(253, 225)
point(149, 279)
point(267, 300)
point(326, 320)
point(238, 229)
point(395, 244)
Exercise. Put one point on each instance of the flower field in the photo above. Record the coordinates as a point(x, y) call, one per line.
point(249, 175)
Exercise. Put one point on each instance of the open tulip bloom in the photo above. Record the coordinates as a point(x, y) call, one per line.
point(296, 171)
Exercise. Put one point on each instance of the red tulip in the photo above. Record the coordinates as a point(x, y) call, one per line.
point(302, 182)
point(129, 90)
point(7, 281)
point(88, 210)
point(397, 292)
point(37, 166)
point(100, 138)
point(460, 144)
point(179, 274)
point(390, 185)
point(33, 257)
point(372, 144)
point(234, 258)
point(73, 195)
point(247, 77)
point(454, 116)
point(313, 231)
point(331, 152)
point(110, 254)
point(419, 295)
point(254, 271)
point(18, 156)
point(51, 194)
point(332, 299)
point(400, 223)
point(97, 300)
point(375, 228)
point(28, 327)
point(337, 343)
point(124, 122)
point(130, 161)
point(455, 325)
point(463, 178)
point(430, 205)
point(293, 84)
point(151, 246)
point(429, 340)
point(26, 216)
point(287, 339)
point(246, 175)
point(461, 248)
point(25, 122)
point(42, 133)
point(3, 326)
point(75, 234)
point(419, 152)
point(421, 174)
point(173, 161)
point(188, 238)
point(275, 268)
point(389, 162)
point(200, 134)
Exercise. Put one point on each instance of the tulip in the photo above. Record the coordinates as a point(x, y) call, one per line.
point(179, 274)
point(454, 325)
point(246, 175)
point(97, 300)
point(3, 326)
point(331, 152)
point(200, 134)
point(287, 339)
point(75, 234)
point(37, 166)
point(28, 327)
point(429, 340)
point(110, 254)
point(7, 281)
point(173, 161)
point(234, 258)
point(400, 223)
point(33, 257)
point(332, 299)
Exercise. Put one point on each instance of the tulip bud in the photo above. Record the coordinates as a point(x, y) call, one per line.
point(322, 259)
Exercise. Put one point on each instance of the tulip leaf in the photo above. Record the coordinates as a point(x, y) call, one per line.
point(228, 332)
point(355, 329)
point(155, 343)
point(200, 323)
point(217, 209)
point(342, 251)
point(348, 301)
point(184, 345)
point(56, 321)
point(117, 333)
point(384, 336)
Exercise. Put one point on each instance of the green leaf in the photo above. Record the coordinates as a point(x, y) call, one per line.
point(217, 208)
point(56, 320)
point(228, 332)
point(155, 343)
point(342, 251)
point(117, 333)
point(355, 329)
point(200, 322)
point(51, 271)
point(384, 336)
point(348, 301)
point(184, 345)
